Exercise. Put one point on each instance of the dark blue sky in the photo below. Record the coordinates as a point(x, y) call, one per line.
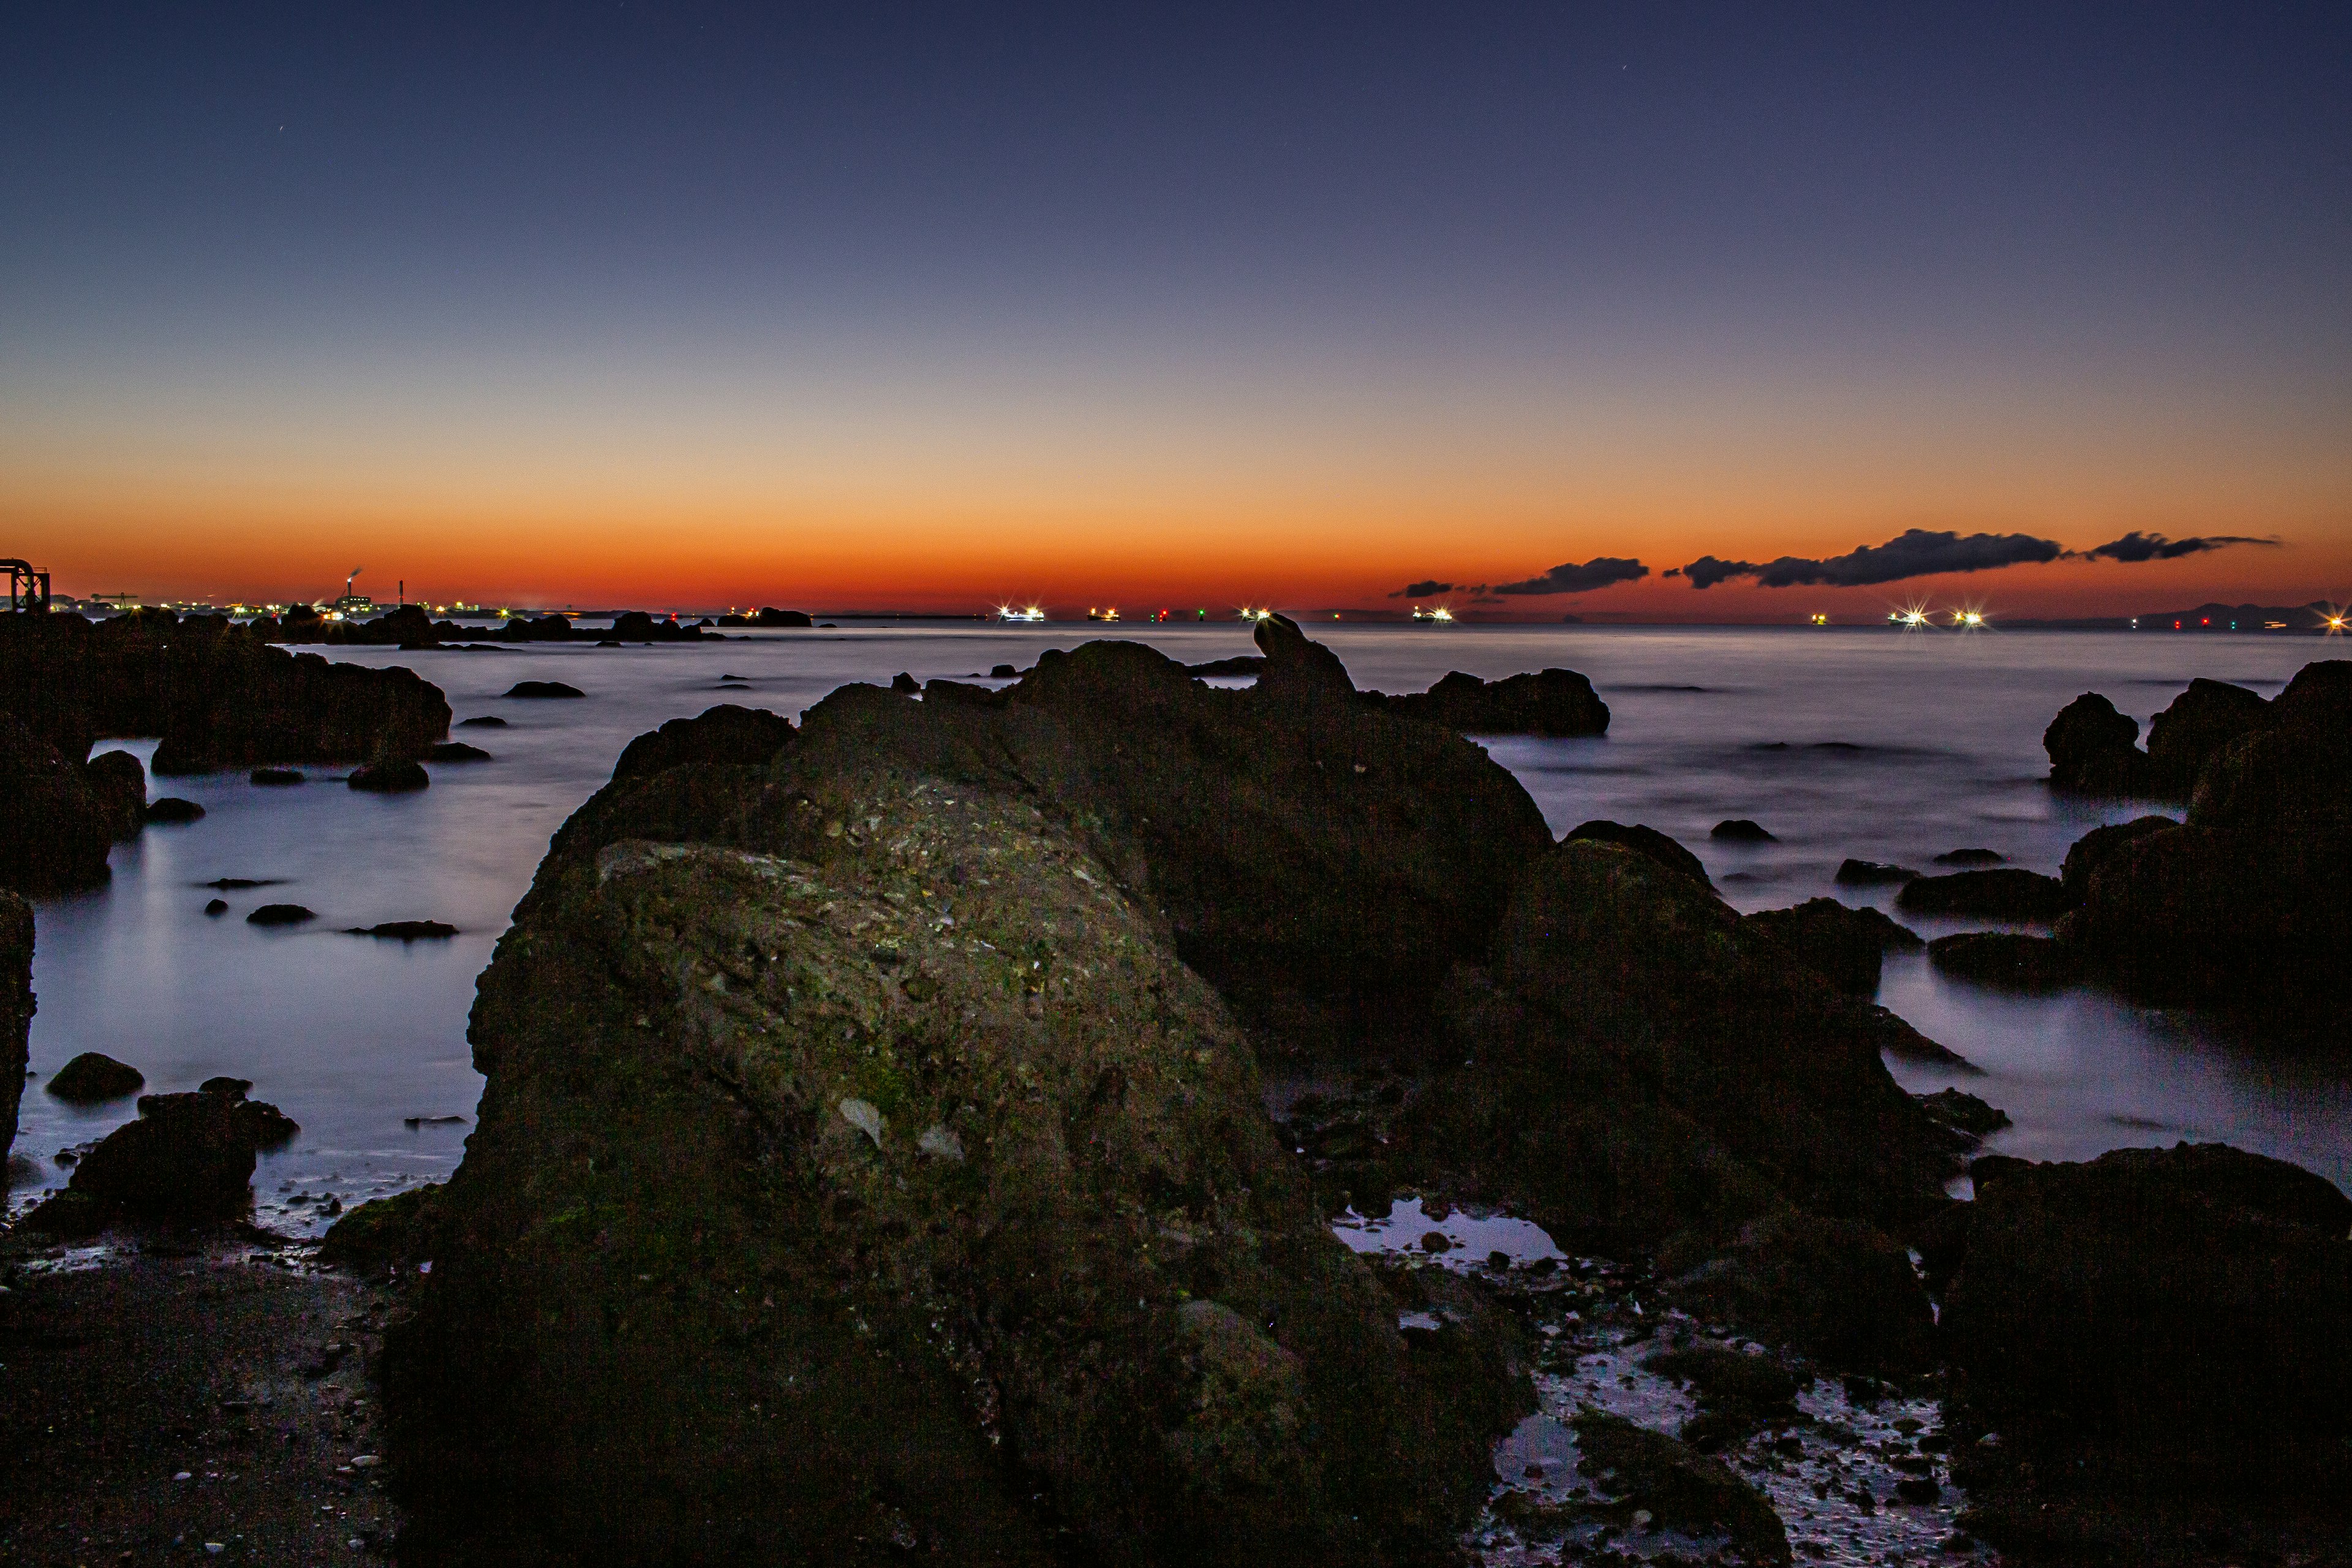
point(1268, 259)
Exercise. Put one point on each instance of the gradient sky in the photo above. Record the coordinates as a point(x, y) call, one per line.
point(928, 305)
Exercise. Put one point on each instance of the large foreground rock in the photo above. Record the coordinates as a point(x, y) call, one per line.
point(58, 829)
point(15, 1009)
point(2151, 1328)
point(879, 1181)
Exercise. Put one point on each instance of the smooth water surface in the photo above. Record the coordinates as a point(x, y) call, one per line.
point(1880, 744)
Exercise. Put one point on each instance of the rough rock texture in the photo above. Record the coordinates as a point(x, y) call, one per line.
point(1844, 945)
point(2151, 1327)
point(93, 1079)
point(1646, 841)
point(746, 737)
point(2006, 893)
point(2246, 902)
point(17, 1009)
point(1558, 703)
point(860, 1172)
point(187, 1156)
point(217, 695)
point(1647, 1065)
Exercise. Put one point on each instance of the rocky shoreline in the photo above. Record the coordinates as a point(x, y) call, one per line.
point(918, 1132)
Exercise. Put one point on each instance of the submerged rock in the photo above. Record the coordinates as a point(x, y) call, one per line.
point(172, 808)
point(543, 690)
point(1853, 873)
point(391, 778)
point(1741, 830)
point(1555, 702)
point(2006, 894)
point(93, 1079)
point(187, 1157)
point(406, 930)
point(482, 722)
point(276, 777)
point(456, 751)
point(1973, 857)
point(2007, 959)
point(280, 915)
point(762, 1324)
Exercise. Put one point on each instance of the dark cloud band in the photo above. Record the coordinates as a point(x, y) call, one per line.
point(1916, 553)
point(1571, 578)
point(2137, 546)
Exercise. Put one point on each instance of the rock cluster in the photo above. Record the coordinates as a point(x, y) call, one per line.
point(2245, 901)
point(872, 1150)
point(217, 695)
point(1557, 702)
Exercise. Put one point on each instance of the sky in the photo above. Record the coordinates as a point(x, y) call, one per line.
point(931, 306)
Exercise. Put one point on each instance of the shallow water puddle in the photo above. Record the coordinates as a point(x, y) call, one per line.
point(1834, 1467)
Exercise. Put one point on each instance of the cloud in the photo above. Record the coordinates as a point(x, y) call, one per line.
point(2137, 546)
point(1422, 590)
point(1916, 553)
point(1569, 578)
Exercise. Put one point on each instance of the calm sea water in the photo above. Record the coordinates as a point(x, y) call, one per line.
point(1885, 745)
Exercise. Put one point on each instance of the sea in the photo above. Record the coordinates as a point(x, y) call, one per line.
point(1885, 745)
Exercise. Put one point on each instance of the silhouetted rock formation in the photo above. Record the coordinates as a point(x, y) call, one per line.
point(2246, 901)
point(768, 616)
point(59, 828)
point(725, 734)
point(93, 1078)
point(544, 690)
point(15, 1009)
point(2009, 960)
point(2006, 893)
point(1558, 703)
point(216, 695)
point(1645, 841)
point(1846, 946)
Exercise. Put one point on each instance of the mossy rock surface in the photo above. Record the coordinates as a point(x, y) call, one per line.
point(861, 1173)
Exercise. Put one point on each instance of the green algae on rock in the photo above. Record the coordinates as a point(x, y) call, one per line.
point(880, 1180)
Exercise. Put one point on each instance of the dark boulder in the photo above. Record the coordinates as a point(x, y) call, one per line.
point(92, 1079)
point(543, 690)
point(117, 787)
point(1644, 1064)
point(187, 1156)
point(482, 722)
point(2198, 725)
point(399, 1229)
point(280, 915)
point(1644, 841)
point(2163, 1338)
point(391, 778)
point(235, 1088)
point(1680, 1488)
point(59, 830)
point(727, 735)
point(1842, 1291)
point(1853, 873)
point(2319, 698)
point(2006, 893)
point(2093, 750)
point(172, 808)
point(2009, 960)
point(1557, 702)
point(1846, 946)
point(906, 683)
point(215, 906)
point(2085, 854)
point(1297, 668)
point(1002, 672)
point(769, 615)
point(15, 1009)
point(455, 752)
point(406, 930)
point(1740, 830)
point(1973, 857)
